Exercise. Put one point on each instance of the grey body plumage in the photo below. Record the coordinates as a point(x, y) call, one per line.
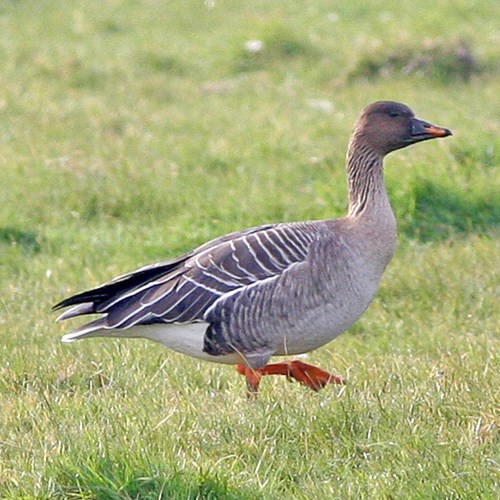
point(271, 290)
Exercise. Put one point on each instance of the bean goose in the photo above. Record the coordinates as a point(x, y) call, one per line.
point(276, 289)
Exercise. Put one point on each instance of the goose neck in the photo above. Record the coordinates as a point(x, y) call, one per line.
point(367, 191)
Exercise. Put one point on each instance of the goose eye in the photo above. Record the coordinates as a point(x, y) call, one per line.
point(393, 114)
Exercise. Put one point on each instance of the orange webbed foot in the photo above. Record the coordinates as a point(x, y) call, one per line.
point(311, 376)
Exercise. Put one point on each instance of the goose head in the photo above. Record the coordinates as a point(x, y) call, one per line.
point(386, 126)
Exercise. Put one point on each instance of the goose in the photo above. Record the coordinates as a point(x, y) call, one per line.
point(273, 290)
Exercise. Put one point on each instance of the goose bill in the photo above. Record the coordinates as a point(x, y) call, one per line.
point(421, 130)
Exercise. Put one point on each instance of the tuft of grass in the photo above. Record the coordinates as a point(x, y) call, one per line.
point(27, 240)
point(442, 60)
point(119, 479)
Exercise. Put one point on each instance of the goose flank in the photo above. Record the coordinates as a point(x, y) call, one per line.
point(272, 290)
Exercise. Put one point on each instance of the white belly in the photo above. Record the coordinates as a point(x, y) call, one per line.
point(184, 338)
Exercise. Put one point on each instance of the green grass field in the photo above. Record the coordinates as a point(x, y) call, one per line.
point(131, 131)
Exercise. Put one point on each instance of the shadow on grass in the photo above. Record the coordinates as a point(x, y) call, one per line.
point(442, 213)
point(107, 479)
point(27, 240)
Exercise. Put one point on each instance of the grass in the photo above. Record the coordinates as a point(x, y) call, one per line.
point(132, 131)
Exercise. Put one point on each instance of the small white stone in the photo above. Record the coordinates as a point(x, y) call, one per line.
point(321, 104)
point(254, 46)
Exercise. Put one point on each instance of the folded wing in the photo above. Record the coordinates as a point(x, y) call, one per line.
point(184, 289)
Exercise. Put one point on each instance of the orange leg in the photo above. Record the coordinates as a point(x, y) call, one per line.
point(309, 375)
